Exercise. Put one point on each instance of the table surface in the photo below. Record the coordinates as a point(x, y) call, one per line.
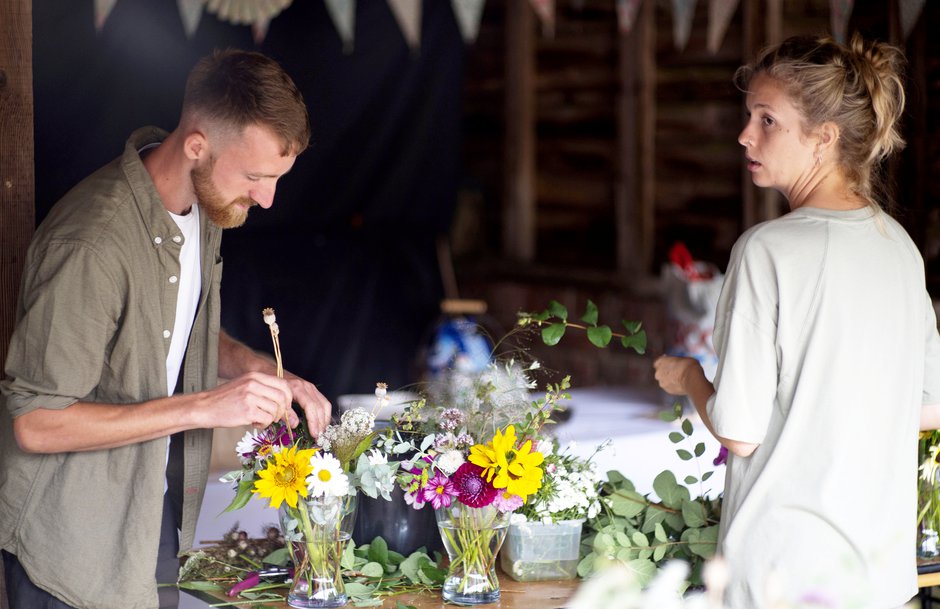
point(513, 595)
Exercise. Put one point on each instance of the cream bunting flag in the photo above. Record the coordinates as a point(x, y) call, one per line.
point(259, 30)
point(683, 12)
point(468, 14)
point(720, 13)
point(840, 11)
point(102, 10)
point(246, 12)
point(408, 15)
point(343, 15)
point(626, 14)
point(545, 9)
point(190, 13)
point(910, 13)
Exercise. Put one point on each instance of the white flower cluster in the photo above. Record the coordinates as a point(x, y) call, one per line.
point(574, 494)
point(354, 424)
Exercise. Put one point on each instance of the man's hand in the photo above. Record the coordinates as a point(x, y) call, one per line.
point(676, 375)
point(316, 407)
point(254, 398)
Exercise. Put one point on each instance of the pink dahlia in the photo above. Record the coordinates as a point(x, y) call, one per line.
point(472, 487)
point(439, 491)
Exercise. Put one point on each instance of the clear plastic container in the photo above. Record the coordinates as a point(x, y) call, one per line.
point(535, 551)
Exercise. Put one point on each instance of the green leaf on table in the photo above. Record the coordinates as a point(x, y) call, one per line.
point(552, 334)
point(690, 479)
point(644, 570)
point(687, 427)
point(693, 513)
point(706, 476)
point(590, 315)
point(599, 336)
point(279, 557)
point(201, 585)
point(378, 551)
point(669, 490)
point(627, 503)
point(373, 569)
point(699, 449)
point(556, 309)
point(432, 575)
point(675, 437)
point(684, 454)
point(348, 560)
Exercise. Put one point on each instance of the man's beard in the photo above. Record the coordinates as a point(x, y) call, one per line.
point(222, 213)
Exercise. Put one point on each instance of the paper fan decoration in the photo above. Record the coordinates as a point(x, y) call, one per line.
point(246, 12)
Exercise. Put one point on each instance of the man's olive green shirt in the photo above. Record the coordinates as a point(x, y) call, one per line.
point(94, 319)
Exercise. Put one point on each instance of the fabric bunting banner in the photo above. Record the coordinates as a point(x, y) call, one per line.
point(626, 15)
point(468, 14)
point(545, 9)
point(102, 10)
point(343, 15)
point(720, 13)
point(910, 13)
point(191, 14)
point(839, 13)
point(408, 15)
point(683, 12)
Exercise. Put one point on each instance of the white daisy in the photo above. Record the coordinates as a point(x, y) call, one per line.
point(247, 446)
point(327, 477)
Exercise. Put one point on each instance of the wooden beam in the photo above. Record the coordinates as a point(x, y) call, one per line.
point(519, 144)
point(17, 186)
point(635, 185)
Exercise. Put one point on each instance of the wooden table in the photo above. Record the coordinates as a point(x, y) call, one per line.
point(513, 595)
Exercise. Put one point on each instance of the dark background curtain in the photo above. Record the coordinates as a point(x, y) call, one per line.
point(346, 256)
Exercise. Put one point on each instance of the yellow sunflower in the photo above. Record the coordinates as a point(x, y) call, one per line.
point(284, 479)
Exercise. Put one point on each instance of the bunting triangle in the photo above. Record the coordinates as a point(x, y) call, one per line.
point(683, 12)
point(343, 15)
point(840, 11)
point(102, 10)
point(720, 13)
point(259, 30)
point(910, 13)
point(190, 13)
point(627, 11)
point(468, 14)
point(545, 9)
point(408, 15)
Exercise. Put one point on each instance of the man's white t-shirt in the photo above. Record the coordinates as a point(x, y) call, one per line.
point(828, 348)
point(187, 300)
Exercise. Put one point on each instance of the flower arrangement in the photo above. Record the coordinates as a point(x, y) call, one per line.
point(928, 484)
point(314, 483)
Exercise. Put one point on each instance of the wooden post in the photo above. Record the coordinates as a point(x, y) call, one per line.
point(17, 188)
point(519, 145)
point(634, 190)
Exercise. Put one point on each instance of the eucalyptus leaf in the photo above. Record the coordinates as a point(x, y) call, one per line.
point(684, 454)
point(659, 553)
point(687, 427)
point(643, 570)
point(693, 513)
point(699, 449)
point(675, 437)
point(669, 491)
point(627, 503)
point(640, 539)
point(706, 476)
point(279, 557)
point(660, 533)
point(690, 479)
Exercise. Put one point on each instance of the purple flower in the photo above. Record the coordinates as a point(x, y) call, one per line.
point(505, 502)
point(722, 457)
point(439, 491)
point(414, 499)
point(472, 488)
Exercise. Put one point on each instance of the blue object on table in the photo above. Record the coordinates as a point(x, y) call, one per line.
point(458, 344)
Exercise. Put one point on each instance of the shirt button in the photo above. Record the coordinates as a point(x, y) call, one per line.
point(166, 334)
point(177, 239)
point(173, 279)
point(158, 240)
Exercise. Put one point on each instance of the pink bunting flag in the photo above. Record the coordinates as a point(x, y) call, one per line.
point(408, 15)
point(545, 9)
point(626, 14)
point(720, 13)
point(102, 10)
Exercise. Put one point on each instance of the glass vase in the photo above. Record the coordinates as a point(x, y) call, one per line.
point(472, 538)
point(317, 531)
point(928, 497)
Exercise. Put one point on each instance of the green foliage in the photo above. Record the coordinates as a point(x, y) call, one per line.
point(640, 533)
point(554, 322)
